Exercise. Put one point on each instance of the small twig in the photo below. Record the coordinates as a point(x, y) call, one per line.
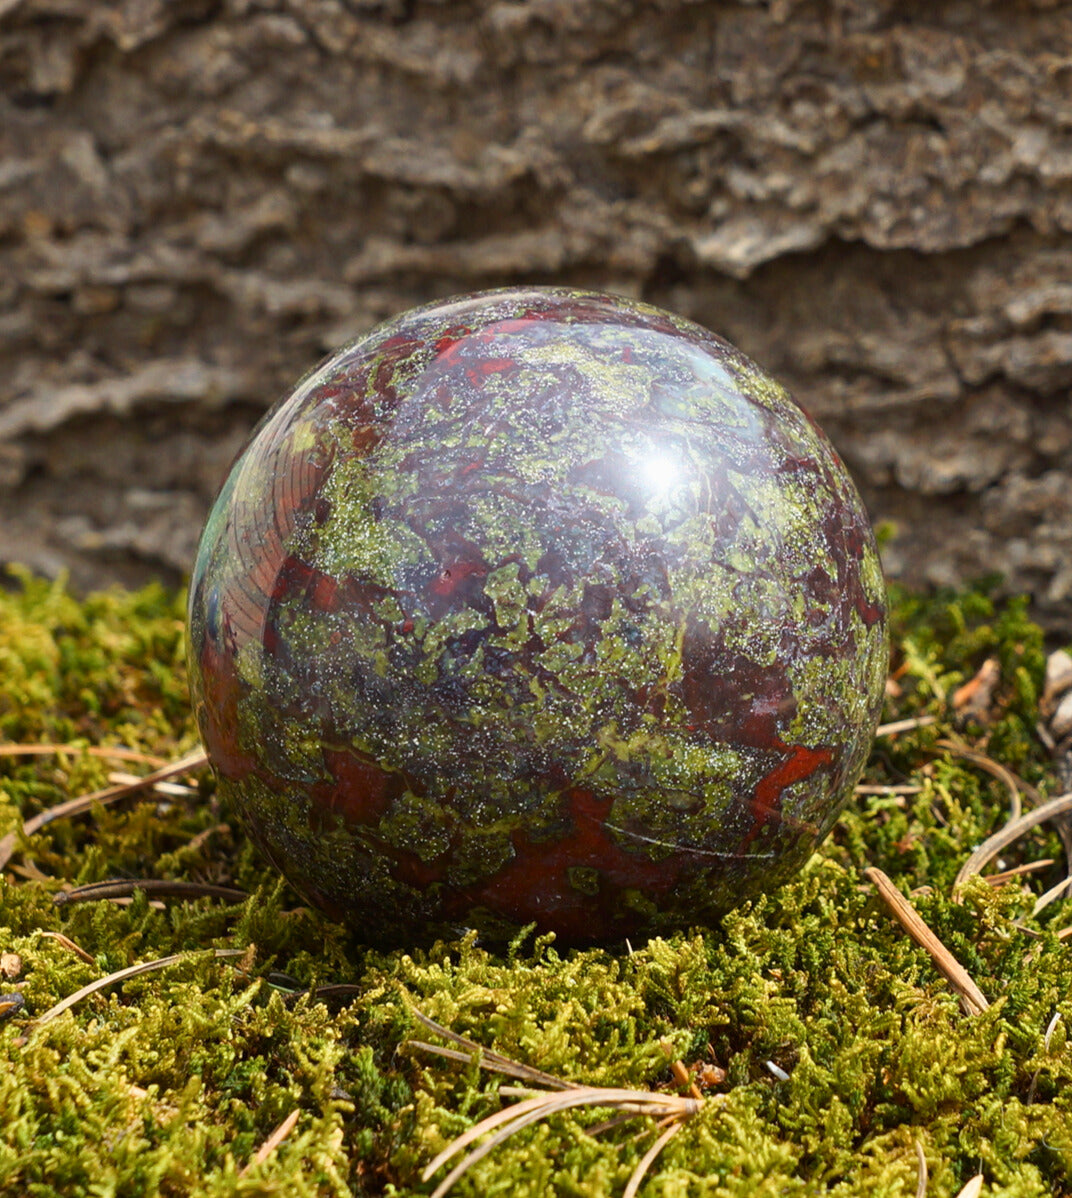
point(272, 1143)
point(1005, 836)
point(909, 919)
point(87, 802)
point(120, 888)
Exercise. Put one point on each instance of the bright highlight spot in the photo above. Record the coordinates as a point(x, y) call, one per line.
point(660, 472)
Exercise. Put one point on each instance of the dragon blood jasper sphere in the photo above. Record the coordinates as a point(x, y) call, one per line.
point(537, 606)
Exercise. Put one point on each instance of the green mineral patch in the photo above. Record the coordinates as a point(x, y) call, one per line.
point(417, 826)
point(353, 541)
point(830, 1054)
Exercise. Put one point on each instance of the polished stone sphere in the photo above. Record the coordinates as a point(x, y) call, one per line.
point(537, 606)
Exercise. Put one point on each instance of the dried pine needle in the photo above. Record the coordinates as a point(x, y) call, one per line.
point(1016, 786)
point(1011, 832)
point(921, 1185)
point(648, 1159)
point(909, 918)
point(87, 802)
point(272, 1143)
point(106, 752)
point(514, 1119)
point(671, 1109)
point(159, 887)
point(486, 1058)
point(909, 725)
point(67, 943)
point(122, 975)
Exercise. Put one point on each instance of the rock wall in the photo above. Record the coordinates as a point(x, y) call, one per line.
point(873, 198)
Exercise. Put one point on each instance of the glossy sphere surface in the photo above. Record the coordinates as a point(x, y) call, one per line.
point(537, 605)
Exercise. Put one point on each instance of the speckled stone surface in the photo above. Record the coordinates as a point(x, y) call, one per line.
point(537, 606)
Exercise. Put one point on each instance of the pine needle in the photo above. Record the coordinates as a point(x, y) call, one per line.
point(648, 1159)
point(166, 887)
point(909, 918)
point(272, 1143)
point(921, 1184)
point(121, 975)
point(486, 1058)
point(1005, 836)
point(107, 752)
point(1014, 784)
point(87, 802)
point(514, 1119)
point(67, 943)
point(909, 725)
point(559, 1096)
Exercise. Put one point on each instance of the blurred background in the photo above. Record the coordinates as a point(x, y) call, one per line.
point(873, 198)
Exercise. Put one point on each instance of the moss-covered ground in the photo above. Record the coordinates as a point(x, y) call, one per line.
point(843, 1047)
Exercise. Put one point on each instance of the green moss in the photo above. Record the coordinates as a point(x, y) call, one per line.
point(170, 1084)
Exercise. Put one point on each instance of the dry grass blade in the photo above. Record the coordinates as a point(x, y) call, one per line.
point(973, 1188)
point(82, 803)
point(122, 975)
point(513, 1119)
point(272, 1143)
point(1012, 831)
point(906, 915)
point(648, 1158)
point(921, 1184)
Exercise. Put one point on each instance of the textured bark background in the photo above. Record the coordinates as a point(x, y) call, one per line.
point(873, 198)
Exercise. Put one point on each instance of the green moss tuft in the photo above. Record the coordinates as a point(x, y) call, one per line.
point(169, 1084)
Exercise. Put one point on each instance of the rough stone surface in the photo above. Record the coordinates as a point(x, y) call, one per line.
point(872, 198)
